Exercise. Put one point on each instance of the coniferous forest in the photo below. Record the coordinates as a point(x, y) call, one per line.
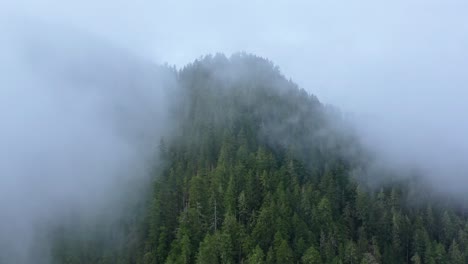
point(257, 170)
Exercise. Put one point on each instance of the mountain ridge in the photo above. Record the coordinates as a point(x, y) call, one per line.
point(256, 171)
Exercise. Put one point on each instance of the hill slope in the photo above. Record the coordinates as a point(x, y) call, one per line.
point(257, 172)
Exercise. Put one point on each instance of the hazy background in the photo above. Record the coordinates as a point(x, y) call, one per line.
point(399, 68)
point(81, 121)
point(399, 63)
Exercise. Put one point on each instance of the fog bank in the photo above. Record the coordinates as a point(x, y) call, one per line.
point(78, 104)
point(81, 120)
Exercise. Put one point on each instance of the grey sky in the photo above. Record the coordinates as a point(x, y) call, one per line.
point(399, 66)
point(336, 49)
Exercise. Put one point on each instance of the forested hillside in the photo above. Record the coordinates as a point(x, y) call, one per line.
point(259, 171)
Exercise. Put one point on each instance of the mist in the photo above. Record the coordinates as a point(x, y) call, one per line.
point(396, 69)
point(81, 122)
point(83, 104)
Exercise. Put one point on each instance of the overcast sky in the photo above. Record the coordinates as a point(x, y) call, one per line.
point(400, 66)
point(378, 50)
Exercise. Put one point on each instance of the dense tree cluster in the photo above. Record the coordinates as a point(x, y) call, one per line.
point(256, 172)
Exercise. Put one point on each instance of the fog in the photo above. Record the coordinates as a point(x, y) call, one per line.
point(397, 68)
point(81, 122)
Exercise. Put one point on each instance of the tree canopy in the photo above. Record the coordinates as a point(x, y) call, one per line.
point(257, 172)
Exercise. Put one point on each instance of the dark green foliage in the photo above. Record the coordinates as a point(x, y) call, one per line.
point(257, 174)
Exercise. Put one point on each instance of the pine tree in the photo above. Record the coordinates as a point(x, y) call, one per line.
point(311, 256)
